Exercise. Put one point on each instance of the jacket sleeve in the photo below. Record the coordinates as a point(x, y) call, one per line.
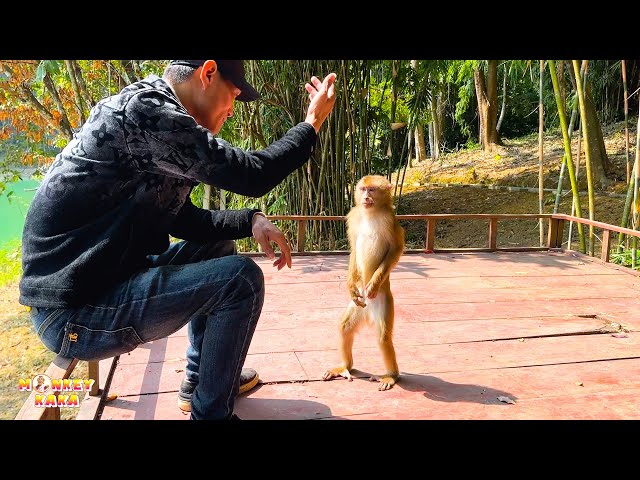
point(163, 138)
point(193, 223)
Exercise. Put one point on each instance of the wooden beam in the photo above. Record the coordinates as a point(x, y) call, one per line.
point(493, 233)
point(606, 237)
point(302, 227)
point(430, 235)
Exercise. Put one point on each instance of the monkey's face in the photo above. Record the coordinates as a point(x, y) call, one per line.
point(368, 195)
point(372, 191)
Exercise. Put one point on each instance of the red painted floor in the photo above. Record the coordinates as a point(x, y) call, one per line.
point(554, 333)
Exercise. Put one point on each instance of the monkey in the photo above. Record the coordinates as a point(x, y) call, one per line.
point(376, 242)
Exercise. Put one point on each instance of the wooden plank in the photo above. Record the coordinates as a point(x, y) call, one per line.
point(553, 392)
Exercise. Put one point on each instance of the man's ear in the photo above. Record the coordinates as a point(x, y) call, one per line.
point(209, 68)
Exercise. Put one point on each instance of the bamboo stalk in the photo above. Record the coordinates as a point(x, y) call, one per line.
point(626, 119)
point(636, 198)
point(541, 153)
point(567, 149)
point(585, 134)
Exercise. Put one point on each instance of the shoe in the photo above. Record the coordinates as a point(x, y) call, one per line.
point(248, 379)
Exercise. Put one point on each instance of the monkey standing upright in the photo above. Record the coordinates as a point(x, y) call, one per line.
point(376, 240)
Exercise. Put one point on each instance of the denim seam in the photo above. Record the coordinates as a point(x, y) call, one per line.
point(238, 368)
point(110, 331)
point(53, 316)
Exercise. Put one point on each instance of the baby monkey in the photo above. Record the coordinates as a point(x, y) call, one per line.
point(376, 240)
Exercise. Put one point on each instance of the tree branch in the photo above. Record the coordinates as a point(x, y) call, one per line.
point(81, 84)
point(29, 97)
point(76, 90)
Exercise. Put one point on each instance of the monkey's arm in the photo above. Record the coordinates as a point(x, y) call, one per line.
point(388, 263)
point(353, 280)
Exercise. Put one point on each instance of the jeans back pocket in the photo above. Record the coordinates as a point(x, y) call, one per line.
point(90, 344)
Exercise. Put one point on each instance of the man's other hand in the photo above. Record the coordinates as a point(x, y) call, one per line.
point(266, 232)
point(322, 96)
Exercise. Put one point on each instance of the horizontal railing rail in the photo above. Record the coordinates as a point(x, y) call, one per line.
point(555, 230)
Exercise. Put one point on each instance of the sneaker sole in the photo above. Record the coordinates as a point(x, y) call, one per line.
point(185, 405)
point(249, 385)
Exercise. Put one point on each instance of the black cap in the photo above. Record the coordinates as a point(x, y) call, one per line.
point(232, 70)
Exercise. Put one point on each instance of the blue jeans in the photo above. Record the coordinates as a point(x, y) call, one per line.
point(220, 294)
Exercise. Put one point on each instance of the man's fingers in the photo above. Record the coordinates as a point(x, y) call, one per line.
point(310, 88)
point(329, 80)
point(285, 251)
point(268, 250)
point(316, 83)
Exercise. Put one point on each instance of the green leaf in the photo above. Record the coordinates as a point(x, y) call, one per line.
point(52, 66)
point(41, 71)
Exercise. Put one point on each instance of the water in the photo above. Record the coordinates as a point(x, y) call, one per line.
point(12, 213)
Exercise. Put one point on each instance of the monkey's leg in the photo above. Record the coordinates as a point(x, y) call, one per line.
point(382, 315)
point(351, 319)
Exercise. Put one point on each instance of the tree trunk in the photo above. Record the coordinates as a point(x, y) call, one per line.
point(626, 119)
point(431, 140)
point(599, 159)
point(435, 152)
point(487, 96)
point(504, 98)
point(419, 141)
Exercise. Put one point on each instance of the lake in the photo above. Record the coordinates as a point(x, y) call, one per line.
point(12, 213)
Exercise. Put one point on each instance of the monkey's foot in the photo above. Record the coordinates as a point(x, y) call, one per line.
point(386, 382)
point(337, 372)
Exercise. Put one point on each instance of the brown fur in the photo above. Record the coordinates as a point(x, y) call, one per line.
point(376, 241)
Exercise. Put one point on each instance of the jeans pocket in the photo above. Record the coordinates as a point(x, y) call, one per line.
point(47, 327)
point(89, 344)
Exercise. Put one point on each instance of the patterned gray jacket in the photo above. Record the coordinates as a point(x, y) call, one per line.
point(122, 185)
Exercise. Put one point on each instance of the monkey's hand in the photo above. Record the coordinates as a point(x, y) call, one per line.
point(357, 297)
point(372, 288)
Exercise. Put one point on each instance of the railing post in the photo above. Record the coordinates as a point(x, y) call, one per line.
point(493, 233)
point(431, 234)
point(302, 226)
point(94, 374)
point(556, 227)
point(606, 237)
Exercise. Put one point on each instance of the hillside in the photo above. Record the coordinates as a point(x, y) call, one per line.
point(513, 164)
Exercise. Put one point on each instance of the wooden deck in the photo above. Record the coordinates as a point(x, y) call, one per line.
point(556, 333)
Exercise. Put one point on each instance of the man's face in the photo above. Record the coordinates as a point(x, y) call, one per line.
point(217, 103)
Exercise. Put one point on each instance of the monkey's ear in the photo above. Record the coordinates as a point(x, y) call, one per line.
point(388, 186)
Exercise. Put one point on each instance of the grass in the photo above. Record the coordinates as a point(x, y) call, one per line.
point(22, 354)
point(10, 262)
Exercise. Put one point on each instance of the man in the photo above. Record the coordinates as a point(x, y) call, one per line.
point(98, 269)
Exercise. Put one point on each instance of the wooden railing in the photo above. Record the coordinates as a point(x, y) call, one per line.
point(555, 231)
